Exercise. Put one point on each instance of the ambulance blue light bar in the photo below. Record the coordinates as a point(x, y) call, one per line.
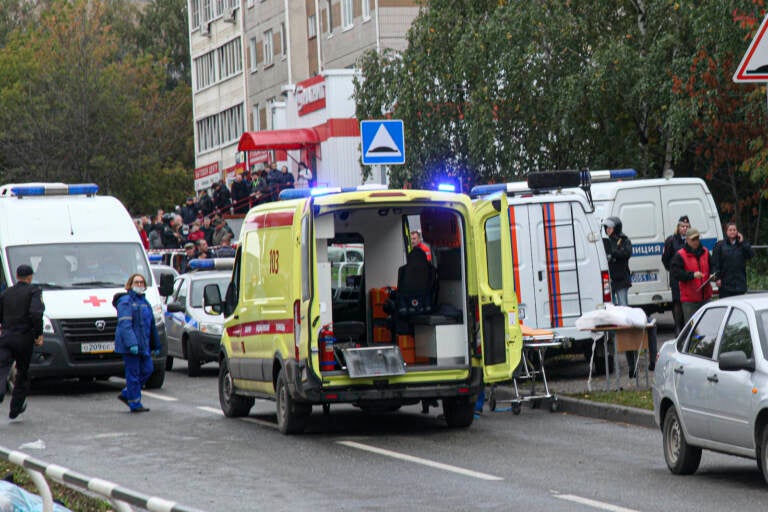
point(301, 193)
point(446, 187)
point(155, 258)
point(212, 264)
point(485, 190)
point(613, 174)
point(55, 189)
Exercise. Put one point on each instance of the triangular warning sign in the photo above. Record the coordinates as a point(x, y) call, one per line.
point(382, 144)
point(754, 65)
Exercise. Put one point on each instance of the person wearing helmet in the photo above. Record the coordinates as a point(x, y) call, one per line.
point(618, 249)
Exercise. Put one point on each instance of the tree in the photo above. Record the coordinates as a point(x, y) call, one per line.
point(76, 106)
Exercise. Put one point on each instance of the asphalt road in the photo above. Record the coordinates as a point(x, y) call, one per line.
point(186, 451)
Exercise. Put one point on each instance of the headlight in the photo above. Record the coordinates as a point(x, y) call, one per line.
point(211, 328)
point(47, 325)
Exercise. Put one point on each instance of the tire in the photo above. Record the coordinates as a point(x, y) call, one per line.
point(762, 456)
point(291, 416)
point(458, 412)
point(681, 458)
point(193, 362)
point(168, 363)
point(156, 380)
point(232, 405)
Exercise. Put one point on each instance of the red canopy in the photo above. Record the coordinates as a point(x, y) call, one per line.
point(297, 138)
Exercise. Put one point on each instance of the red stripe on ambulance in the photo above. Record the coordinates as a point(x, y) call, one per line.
point(271, 219)
point(282, 326)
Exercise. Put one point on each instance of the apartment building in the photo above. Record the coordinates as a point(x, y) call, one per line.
point(293, 79)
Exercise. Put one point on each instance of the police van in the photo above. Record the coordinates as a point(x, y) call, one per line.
point(649, 210)
point(82, 247)
point(556, 251)
point(402, 331)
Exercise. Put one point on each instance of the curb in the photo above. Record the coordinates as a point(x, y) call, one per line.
point(607, 412)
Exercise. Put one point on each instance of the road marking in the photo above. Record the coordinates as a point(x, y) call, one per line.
point(593, 503)
point(263, 423)
point(419, 460)
point(159, 397)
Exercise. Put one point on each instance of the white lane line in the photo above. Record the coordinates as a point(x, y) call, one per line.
point(263, 423)
point(159, 397)
point(593, 503)
point(419, 460)
point(211, 409)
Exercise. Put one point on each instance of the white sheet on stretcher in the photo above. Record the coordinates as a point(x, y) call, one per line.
point(612, 315)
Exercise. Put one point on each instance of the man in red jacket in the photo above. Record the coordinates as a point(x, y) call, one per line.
point(690, 266)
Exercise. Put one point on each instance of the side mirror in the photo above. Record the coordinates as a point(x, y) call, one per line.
point(212, 298)
point(735, 361)
point(174, 307)
point(166, 285)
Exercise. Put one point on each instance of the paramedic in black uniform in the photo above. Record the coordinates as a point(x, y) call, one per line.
point(21, 321)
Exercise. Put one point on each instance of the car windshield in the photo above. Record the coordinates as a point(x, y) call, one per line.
point(762, 327)
point(81, 265)
point(196, 295)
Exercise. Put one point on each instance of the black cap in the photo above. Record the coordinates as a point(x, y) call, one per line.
point(684, 218)
point(24, 271)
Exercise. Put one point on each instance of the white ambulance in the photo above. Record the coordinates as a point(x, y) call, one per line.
point(559, 264)
point(649, 210)
point(82, 247)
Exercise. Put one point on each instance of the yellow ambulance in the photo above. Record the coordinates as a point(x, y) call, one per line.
point(393, 326)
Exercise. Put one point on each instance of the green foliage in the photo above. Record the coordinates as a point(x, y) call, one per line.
point(77, 104)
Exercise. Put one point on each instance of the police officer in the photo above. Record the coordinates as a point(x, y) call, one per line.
point(21, 320)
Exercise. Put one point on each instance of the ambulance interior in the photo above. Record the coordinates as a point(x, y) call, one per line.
point(372, 285)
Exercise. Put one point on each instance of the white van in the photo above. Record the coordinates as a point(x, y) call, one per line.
point(83, 248)
point(559, 264)
point(649, 210)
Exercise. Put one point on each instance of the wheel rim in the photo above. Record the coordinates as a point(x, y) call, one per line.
point(282, 397)
point(227, 386)
point(674, 440)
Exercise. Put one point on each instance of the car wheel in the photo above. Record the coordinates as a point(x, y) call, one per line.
point(762, 458)
point(168, 363)
point(681, 458)
point(193, 361)
point(156, 380)
point(291, 416)
point(232, 405)
point(458, 412)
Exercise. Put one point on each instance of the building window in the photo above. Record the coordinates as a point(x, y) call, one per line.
point(311, 26)
point(346, 13)
point(365, 9)
point(283, 40)
point(208, 133)
point(230, 59)
point(255, 119)
point(268, 51)
point(252, 46)
point(329, 13)
point(205, 70)
point(219, 7)
point(218, 129)
point(205, 15)
point(194, 9)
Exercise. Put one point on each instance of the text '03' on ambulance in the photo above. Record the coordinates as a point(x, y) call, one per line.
point(380, 327)
point(649, 210)
point(83, 248)
point(556, 252)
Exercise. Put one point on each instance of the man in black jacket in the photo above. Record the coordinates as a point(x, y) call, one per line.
point(729, 262)
point(672, 244)
point(21, 320)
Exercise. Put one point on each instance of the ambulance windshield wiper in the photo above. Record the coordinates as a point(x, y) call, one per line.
point(97, 283)
point(49, 285)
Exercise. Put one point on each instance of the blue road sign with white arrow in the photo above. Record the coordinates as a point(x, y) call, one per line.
point(382, 142)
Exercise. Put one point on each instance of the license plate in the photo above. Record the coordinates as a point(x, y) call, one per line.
point(645, 277)
point(97, 348)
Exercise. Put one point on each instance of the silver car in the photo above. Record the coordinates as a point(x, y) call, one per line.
point(710, 388)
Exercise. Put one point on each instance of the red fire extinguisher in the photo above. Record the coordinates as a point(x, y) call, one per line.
point(327, 359)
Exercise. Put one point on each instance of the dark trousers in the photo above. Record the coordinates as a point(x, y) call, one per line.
point(137, 371)
point(16, 347)
point(677, 315)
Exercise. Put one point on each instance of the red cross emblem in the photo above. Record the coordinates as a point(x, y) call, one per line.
point(94, 301)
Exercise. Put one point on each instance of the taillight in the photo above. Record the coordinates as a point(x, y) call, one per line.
point(606, 286)
point(296, 328)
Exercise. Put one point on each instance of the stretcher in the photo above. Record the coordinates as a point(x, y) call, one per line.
point(531, 369)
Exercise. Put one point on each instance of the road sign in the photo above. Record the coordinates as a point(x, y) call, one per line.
point(383, 142)
point(754, 65)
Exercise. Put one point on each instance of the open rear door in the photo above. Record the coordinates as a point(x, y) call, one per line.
point(500, 336)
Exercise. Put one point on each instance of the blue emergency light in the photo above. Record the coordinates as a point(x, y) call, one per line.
point(613, 174)
point(485, 190)
point(212, 263)
point(301, 193)
point(55, 189)
point(155, 258)
point(446, 187)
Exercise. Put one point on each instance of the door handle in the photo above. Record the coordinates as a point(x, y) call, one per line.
point(712, 378)
point(679, 370)
point(541, 275)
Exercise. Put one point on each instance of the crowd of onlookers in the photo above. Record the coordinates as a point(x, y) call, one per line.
point(250, 188)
